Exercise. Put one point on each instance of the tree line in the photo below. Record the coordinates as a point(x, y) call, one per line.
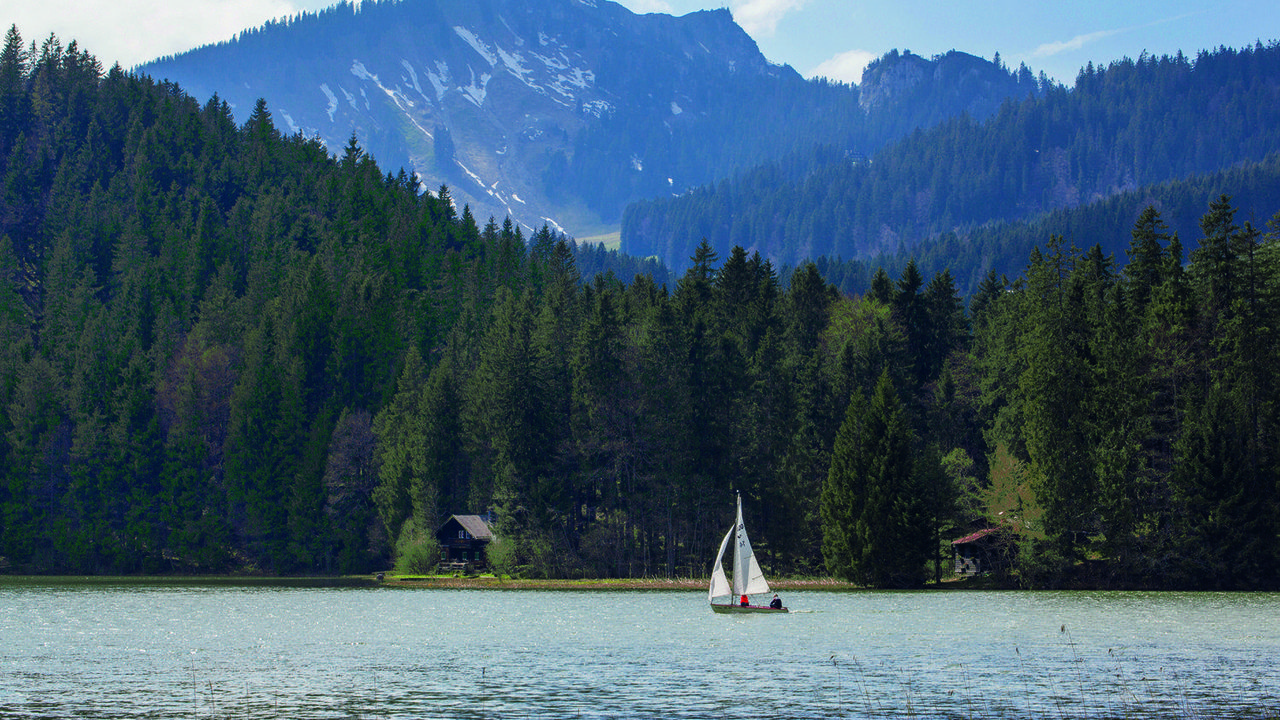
point(226, 350)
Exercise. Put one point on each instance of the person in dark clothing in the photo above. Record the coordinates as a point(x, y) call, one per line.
point(776, 602)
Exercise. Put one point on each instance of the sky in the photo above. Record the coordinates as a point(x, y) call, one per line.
point(829, 38)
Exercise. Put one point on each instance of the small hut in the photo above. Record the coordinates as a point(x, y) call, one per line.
point(463, 540)
point(985, 551)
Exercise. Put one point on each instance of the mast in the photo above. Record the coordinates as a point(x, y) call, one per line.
point(739, 556)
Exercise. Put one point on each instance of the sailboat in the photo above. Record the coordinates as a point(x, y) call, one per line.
point(748, 579)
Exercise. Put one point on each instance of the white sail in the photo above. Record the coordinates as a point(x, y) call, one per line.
point(719, 583)
point(748, 578)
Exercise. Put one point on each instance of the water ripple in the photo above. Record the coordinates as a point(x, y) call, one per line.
point(168, 650)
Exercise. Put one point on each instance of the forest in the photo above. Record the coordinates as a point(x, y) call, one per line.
point(1124, 127)
point(225, 350)
point(1003, 247)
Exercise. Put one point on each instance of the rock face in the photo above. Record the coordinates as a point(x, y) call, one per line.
point(493, 97)
point(886, 80)
point(924, 92)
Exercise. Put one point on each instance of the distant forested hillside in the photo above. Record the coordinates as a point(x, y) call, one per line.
point(1126, 126)
point(225, 350)
point(1003, 247)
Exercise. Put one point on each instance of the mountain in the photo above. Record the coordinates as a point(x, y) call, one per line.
point(564, 111)
point(488, 96)
point(1129, 125)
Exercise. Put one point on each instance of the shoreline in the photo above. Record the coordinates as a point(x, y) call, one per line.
point(490, 582)
point(454, 582)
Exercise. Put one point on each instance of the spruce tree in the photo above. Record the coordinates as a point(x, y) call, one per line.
point(875, 529)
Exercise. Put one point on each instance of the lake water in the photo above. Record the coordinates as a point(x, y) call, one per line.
point(174, 650)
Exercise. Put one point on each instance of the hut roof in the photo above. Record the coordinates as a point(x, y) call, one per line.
point(475, 526)
point(974, 537)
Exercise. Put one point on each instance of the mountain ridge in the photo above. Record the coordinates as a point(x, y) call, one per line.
point(501, 81)
point(562, 112)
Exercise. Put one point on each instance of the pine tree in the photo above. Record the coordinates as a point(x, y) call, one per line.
point(875, 530)
point(1053, 389)
point(1146, 259)
point(506, 424)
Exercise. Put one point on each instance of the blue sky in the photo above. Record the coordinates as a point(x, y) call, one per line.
point(834, 38)
point(837, 37)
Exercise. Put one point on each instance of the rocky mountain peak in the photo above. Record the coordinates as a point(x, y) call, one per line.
point(484, 95)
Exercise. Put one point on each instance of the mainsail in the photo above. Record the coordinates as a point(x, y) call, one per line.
point(748, 578)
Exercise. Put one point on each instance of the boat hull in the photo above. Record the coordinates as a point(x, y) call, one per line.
point(730, 609)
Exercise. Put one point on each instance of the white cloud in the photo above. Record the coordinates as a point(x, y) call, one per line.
point(1079, 41)
point(760, 17)
point(134, 31)
point(845, 67)
point(1075, 43)
point(640, 7)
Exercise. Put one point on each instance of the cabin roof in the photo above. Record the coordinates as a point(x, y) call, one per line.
point(974, 537)
point(475, 526)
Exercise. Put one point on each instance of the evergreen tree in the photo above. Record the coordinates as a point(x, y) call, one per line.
point(875, 531)
point(1146, 259)
point(506, 424)
point(1054, 387)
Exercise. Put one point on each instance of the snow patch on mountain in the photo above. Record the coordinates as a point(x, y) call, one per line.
point(490, 190)
point(568, 85)
point(402, 102)
point(441, 80)
point(414, 75)
point(597, 108)
point(476, 92)
point(554, 63)
point(333, 100)
point(515, 63)
point(358, 69)
point(476, 44)
point(351, 99)
point(470, 174)
point(579, 78)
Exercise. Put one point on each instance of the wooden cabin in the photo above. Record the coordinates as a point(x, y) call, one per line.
point(985, 551)
point(463, 540)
